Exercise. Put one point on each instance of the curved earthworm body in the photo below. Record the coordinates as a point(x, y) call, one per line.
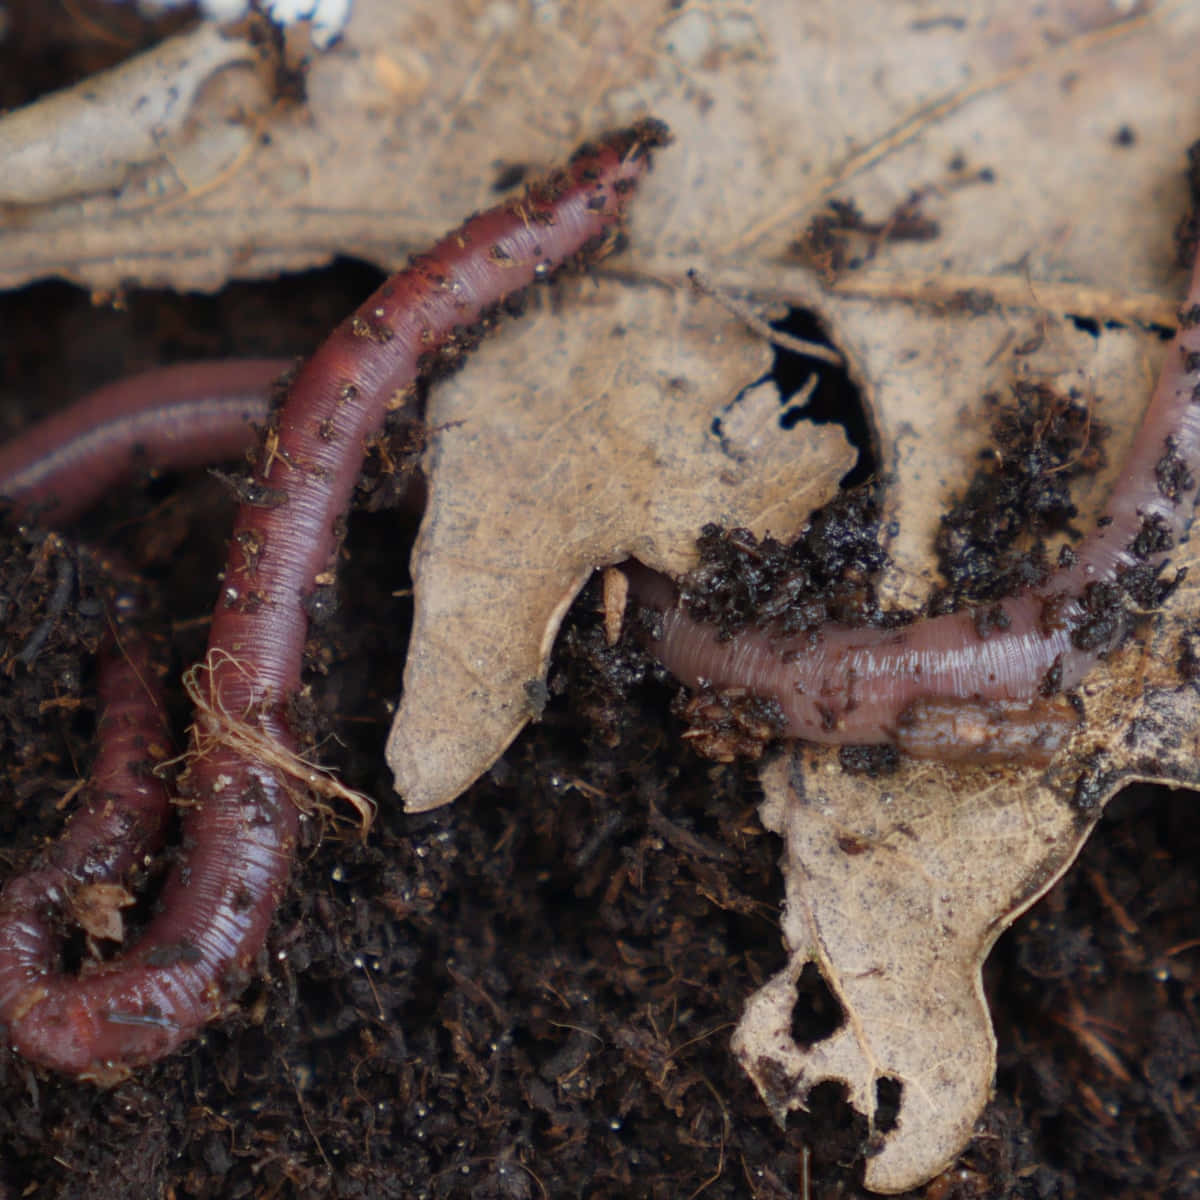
point(189, 415)
point(122, 818)
point(240, 833)
point(911, 685)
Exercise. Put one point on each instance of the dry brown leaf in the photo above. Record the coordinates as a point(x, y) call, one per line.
point(894, 895)
point(90, 137)
point(777, 107)
point(898, 888)
point(414, 113)
point(581, 437)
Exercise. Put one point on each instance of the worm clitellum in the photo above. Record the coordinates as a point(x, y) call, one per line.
point(939, 688)
point(240, 831)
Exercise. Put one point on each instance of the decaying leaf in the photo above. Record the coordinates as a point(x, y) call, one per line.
point(614, 425)
point(897, 889)
point(89, 138)
point(897, 895)
point(409, 121)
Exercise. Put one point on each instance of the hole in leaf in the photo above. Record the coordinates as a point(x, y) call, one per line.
point(834, 401)
point(831, 1128)
point(888, 1093)
point(816, 1013)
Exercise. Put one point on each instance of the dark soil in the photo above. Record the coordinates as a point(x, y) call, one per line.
point(530, 993)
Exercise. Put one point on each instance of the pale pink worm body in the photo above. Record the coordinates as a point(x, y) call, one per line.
point(187, 415)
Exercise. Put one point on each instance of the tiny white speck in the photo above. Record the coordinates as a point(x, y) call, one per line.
point(328, 17)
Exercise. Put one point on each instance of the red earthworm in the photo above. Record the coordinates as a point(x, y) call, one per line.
point(123, 818)
point(240, 833)
point(913, 685)
point(187, 415)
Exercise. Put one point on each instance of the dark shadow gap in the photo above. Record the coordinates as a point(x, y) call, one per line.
point(816, 1013)
point(834, 401)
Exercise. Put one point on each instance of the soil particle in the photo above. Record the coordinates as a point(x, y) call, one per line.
point(991, 543)
point(825, 575)
point(872, 761)
point(729, 725)
point(841, 239)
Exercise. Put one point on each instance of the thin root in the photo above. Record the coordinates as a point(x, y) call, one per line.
point(216, 726)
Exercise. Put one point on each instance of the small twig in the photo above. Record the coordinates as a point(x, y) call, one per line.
point(752, 321)
point(291, 1077)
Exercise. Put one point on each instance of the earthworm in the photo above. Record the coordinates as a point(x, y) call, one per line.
point(240, 830)
point(926, 686)
point(122, 819)
point(187, 415)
